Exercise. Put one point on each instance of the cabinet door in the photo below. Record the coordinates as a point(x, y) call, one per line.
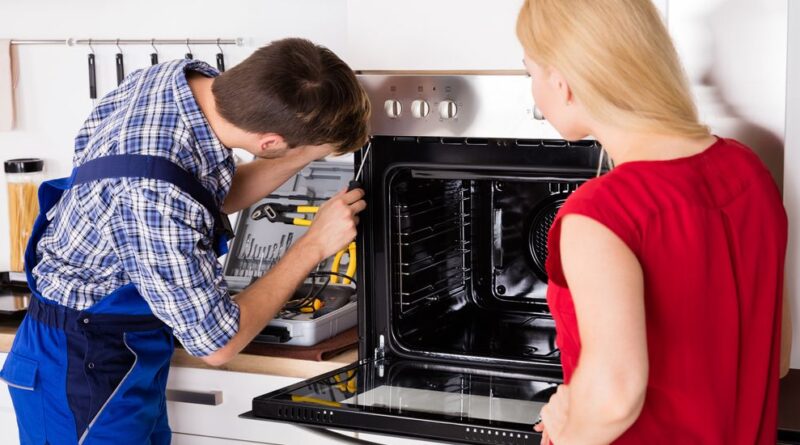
point(208, 403)
point(188, 439)
point(8, 419)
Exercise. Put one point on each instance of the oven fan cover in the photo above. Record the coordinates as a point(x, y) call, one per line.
point(543, 217)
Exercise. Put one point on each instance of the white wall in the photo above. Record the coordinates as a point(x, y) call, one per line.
point(435, 35)
point(791, 179)
point(53, 92)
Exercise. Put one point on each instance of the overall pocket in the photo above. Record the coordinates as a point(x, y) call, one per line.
point(21, 375)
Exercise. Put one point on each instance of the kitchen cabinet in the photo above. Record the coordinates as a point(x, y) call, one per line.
point(219, 397)
point(188, 439)
point(8, 420)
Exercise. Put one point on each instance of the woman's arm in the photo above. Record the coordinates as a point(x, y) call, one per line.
point(607, 390)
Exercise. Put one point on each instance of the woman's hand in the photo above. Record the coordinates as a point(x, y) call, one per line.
point(554, 416)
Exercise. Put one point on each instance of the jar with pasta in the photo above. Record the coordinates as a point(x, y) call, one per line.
point(23, 177)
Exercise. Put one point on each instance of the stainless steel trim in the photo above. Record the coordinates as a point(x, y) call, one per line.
point(489, 104)
point(71, 42)
point(211, 398)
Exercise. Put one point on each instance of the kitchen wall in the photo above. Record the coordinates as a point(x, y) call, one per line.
point(791, 178)
point(734, 52)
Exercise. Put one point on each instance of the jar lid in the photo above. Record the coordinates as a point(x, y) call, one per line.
point(24, 165)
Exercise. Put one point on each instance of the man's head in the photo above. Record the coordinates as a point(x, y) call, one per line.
point(294, 93)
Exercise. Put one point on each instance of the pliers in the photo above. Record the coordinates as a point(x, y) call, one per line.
point(351, 266)
point(275, 212)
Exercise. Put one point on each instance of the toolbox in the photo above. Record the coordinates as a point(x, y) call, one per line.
point(260, 242)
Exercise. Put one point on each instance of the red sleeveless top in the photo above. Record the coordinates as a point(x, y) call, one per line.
point(710, 232)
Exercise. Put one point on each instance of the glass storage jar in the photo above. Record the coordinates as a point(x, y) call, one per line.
point(23, 177)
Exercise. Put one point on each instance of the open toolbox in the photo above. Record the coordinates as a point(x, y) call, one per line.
point(260, 243)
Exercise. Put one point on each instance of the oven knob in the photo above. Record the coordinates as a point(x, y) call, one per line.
point(393, 108)
point(420, 108)
point(448, 109)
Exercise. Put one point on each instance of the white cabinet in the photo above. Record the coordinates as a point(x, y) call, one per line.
point(236, 391)
point(188, 439)
point(8, 420)
point(391, 440)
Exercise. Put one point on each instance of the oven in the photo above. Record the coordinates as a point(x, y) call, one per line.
point(463, 179)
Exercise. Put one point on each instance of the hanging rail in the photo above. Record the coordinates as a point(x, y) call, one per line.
point(73, 42)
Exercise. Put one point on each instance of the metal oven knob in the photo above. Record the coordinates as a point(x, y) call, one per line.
point(393, 108)
point(448, 109)
point(420, 108)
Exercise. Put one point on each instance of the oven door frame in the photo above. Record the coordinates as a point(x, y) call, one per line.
point(324, 414)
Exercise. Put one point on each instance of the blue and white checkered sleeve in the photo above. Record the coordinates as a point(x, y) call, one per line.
point(163, 239)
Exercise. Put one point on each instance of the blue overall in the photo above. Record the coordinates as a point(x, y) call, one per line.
point(99, 375)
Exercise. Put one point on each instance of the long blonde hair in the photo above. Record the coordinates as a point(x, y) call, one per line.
point(618, 59)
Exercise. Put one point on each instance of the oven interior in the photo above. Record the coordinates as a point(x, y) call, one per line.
point(467, 254)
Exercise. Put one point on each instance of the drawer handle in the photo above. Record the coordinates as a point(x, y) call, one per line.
point(211, 398)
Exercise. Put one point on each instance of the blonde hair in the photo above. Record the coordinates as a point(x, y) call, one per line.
point(618, 59)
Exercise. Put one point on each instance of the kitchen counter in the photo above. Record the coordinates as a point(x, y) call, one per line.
point(256, 364)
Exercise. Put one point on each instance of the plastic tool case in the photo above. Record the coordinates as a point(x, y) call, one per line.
point(259, 244)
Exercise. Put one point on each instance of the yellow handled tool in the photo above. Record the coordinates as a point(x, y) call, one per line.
point(275, 212)
point(351, 266)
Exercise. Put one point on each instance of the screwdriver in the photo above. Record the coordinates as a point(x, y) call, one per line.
point(356, 183)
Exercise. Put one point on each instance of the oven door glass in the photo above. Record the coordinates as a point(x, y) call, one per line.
point(415, 399)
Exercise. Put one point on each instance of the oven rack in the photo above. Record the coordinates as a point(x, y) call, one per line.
point(442, 257)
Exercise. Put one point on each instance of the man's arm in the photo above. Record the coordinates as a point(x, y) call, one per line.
point(333, 228)
point(259, 178)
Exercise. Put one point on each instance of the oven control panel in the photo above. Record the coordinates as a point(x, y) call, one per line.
point(498, 105)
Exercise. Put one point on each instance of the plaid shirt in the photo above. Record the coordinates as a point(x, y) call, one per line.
point(112, 232)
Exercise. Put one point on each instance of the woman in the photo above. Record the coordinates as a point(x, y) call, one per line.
point(666, 274)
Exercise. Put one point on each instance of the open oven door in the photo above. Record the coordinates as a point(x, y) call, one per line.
point(415, 399)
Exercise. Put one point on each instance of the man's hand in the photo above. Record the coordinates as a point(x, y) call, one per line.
point(554, 416)
point(334, 227)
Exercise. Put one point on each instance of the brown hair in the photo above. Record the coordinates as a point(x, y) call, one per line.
point(299, 90)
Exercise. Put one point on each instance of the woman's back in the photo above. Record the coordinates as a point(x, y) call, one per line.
point(710, 234)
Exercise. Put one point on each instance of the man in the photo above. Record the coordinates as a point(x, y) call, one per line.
point(124, 253)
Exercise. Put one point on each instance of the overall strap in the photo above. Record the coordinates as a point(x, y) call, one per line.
point(157, 167)
point(143, 166)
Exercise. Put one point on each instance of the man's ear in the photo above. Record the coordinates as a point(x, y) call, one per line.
point(270, 144)
point(560, 84)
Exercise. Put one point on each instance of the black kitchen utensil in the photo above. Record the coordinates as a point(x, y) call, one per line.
point(189, 55)
point(120, 65)
point(92, 73)
point(154, 54)
point(220, 59)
